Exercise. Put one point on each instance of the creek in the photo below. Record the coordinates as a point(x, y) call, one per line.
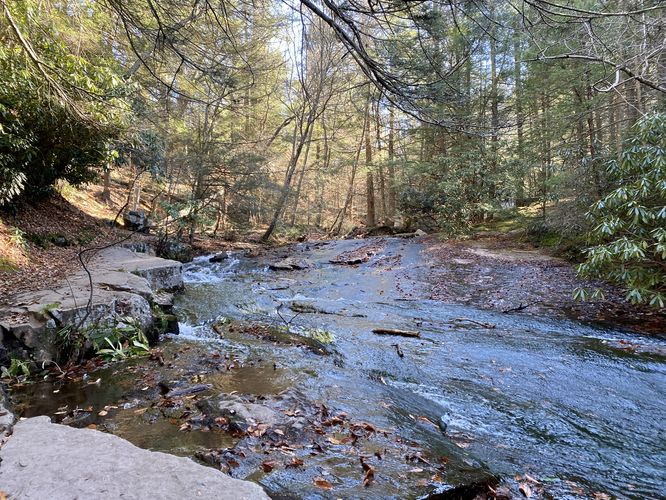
point(479, 397)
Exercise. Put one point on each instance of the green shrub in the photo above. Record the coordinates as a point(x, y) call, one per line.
point(629, 224)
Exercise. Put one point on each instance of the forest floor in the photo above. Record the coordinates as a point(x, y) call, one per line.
point(40, 241)
point(503, 272)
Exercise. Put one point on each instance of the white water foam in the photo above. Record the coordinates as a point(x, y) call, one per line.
point(195, 332)
point(201, 270)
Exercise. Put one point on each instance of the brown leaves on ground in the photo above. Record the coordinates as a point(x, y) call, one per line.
point(268, 465)
point(39, 266)
point(369, 471)
point(322, 483)
point(504, 274)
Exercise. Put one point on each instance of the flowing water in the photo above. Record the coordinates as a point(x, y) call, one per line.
point(499, 395)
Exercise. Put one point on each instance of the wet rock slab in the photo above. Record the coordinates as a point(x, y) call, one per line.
point(45, 460)
point(124, 284)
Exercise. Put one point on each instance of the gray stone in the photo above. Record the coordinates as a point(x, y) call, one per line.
point(6, 416)
point(164, 300)
point(136, 220)
point(218, 257)
point(290, 264)
point(44, 460)
point(175, 250)
point(161, 274)
point(124, 284)
point(239, 411)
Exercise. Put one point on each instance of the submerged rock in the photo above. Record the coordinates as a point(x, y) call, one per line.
point(45, 460)
point(239, 411)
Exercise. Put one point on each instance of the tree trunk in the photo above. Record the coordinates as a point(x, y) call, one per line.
point(370, 220)
point(300, 179)
point(350, 191)
point(391, 170)
point(106, 191)
point(291, 169)
point(382, 180)
point(494, 103)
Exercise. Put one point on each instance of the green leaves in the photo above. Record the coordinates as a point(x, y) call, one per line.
point(629, 235)
point(48, 134)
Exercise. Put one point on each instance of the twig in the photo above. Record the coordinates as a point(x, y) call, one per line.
point(398, 350)
point(480, 323)
point(287, 323)
point(391, 331)
point(520, 307)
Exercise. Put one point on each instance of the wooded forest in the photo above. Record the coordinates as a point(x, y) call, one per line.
point(332, 249)
point(325, 116)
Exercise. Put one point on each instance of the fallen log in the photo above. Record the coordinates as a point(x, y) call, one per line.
point(391, 331)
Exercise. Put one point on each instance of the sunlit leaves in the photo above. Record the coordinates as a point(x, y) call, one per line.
point(45, 134)
point(629, 234)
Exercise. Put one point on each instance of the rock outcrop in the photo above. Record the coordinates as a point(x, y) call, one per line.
point(45, 460)
point(124, 284)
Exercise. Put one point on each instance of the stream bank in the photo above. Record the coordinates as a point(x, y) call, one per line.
point(118, 286)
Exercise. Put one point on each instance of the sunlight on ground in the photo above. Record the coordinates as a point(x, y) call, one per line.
point(13, 248)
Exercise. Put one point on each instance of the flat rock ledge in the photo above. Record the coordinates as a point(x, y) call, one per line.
point(45, 460)
point(125, 284)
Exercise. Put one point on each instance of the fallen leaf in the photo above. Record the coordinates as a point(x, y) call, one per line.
point(268, 465)
point(90, 426)
point(525, 490)
point(320, 482)
point(295, 462)
point(369, 477)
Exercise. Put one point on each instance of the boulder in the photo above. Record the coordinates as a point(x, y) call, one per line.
point(160, 273)
point(45, 460)
point(222, 256)
point(136, 220)
point(175, 250)
point(124, 284)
